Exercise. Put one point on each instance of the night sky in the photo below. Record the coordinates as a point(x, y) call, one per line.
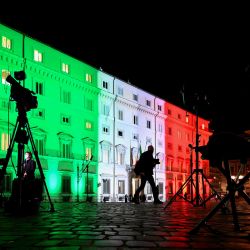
point(157, 48)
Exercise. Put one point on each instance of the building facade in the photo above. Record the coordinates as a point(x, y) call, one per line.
point(90, 127)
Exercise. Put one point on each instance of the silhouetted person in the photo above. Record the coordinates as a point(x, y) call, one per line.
point(147, 164)
point(29, 167)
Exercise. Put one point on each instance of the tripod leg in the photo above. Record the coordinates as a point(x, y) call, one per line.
point(178, 192)
point(39, 166)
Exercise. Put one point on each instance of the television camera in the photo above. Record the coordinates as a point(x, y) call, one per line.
point(25, 98)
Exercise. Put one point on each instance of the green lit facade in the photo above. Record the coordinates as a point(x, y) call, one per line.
point(64, 126)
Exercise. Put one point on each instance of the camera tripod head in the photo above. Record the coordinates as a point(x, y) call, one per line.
point(24, 97)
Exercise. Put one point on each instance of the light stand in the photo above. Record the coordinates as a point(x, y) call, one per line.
point(197, 200)
point(88, 199)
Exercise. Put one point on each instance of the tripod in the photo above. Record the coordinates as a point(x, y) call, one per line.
point(21, 135)
point(198, 200)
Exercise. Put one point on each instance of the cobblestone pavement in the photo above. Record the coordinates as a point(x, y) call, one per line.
point(124, 226)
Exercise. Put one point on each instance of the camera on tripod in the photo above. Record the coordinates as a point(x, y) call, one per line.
point(24, 97)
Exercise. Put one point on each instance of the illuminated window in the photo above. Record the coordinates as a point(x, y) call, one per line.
point(88, 152)
point(65, 68)
point(187, 119)
point(6, 42)
point(5, 73)
point(4, 141)
point(88, 125)
point(88, 77)
point(121, 187)
point(203, 126)
point(38, 57)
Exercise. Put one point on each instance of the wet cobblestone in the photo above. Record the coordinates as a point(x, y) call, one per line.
point(124, 226)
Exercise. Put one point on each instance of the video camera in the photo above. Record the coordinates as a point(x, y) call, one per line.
point(24, 97)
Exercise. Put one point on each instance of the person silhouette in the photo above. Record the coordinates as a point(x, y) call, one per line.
point(29, 167)
point(147, 164)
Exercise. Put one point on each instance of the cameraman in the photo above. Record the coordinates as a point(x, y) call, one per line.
point(147, 162)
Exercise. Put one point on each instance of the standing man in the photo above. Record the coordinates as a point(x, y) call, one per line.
point(29, 167)
point(147, 164)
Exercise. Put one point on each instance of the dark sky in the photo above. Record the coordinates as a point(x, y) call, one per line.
point(158, 48)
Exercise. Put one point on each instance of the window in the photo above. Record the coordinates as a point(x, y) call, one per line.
point(89, 185)
point(179, 116)
point(39, 88)
point(120, 91)
point(65, 119)
point(105, 85)
point(135, 136)
point(135, 97)
point(135, 119)
point(170, 131)
point(5, 139)
point(178, 134)
point(65, 144)
point(88, 152)
point(105, 151)
point(120, 115)
point(88, 104)
point(120, 153)
point(203, 126)
point(65, 68)
point(148, 124)
point(160, 128)
point(169, 112)
point(160, 187)
point(66, 184)
point(40, 147)
point(38, 57)
point(179, 148)
point(170, 146)
point(159, 107)
point(148, 103)
point(88, 125)
point(187, 119)
point(120, 133)
point(6, 42)
point(105, 130)
point(88, 78)
point(121, 187)
point(39, 113)
point(106, 109)
point(65, 96)
point(106, 186)
point(65, 150)
point(5, 73)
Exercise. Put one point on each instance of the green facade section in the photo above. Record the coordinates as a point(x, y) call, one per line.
point(64, 126)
